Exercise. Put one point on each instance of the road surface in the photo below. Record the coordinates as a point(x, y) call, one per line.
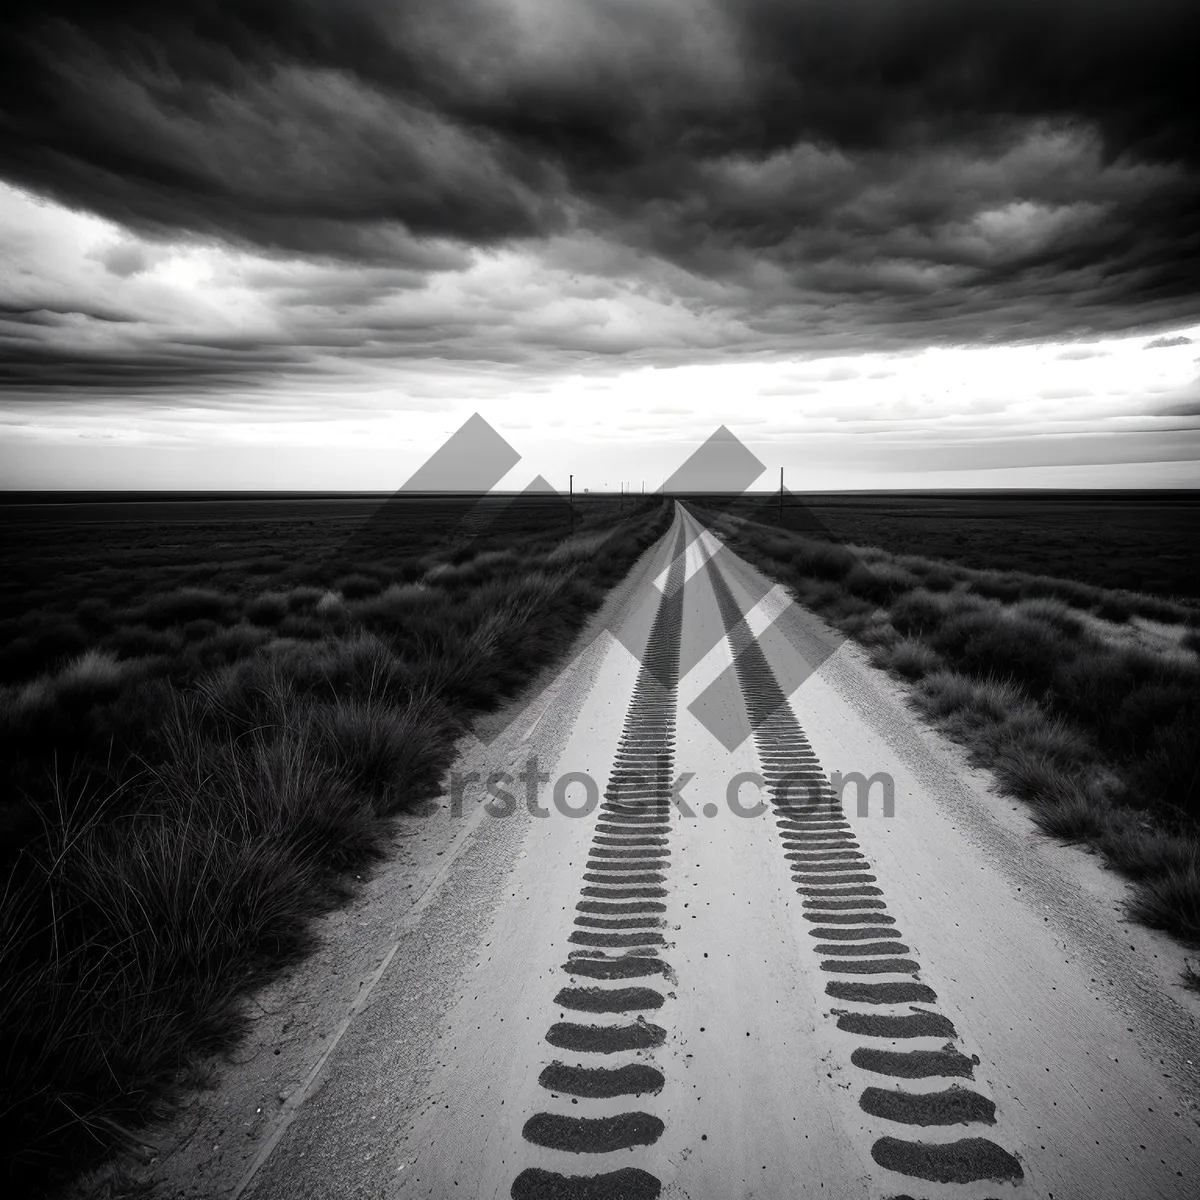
point(721, 980)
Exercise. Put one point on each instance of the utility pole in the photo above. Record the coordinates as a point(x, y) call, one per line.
point(621, 502)
point(571, 500)
point(780, 495)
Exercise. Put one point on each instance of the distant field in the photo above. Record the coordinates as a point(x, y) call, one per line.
point(75, 567)
point(1140, 541)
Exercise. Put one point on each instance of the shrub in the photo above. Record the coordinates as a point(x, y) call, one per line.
point(1080, 595)
point(1166, 777)
point(188, 604)
point(573, 549)
point(267, 608)
point(1136, 845)
point(1073, 816)
point(823, 560)
point(362, 664)
point(921, 611)
point(394, 754)
point(237, 641)
point(1031, 775)
point(272, 785)
point(880, 582)
point(446, 574)
point(95, 614)
point(936, 578)
point(908, 657)
point(399, 603)
point(1002, 644)
point(198, 630)
point(490, 559)
point(253, 693)
point(92, 671)
point(996, 586)
point(298, 625)
point(1039, 732)
point(135, 641)
point(357, 586)
point(1150, 708)
point(51, 642)
point(304, 599)
point(947, 691)
point(1115, 610)
point(22, 701)
point(873, 628)
point(1053, 613)
point(1172, 901)
point(1125, 691)
point(330, 604)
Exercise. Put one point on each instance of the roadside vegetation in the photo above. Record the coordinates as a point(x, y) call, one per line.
point(197, 773)
point(1083, 702)
point(1138, 541)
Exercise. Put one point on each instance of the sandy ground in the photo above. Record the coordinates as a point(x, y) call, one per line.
point(436, 1045)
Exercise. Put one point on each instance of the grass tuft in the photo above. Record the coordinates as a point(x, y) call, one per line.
point(394, 754)
point(268, 608)
point(1171, 900)
point(93, 669)
point(908, 657)
point(330, 603)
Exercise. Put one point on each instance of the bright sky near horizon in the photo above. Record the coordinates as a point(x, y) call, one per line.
point(291, 251)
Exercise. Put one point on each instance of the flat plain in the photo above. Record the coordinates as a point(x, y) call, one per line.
point(221, 714)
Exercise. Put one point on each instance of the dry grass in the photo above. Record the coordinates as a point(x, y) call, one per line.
point(1171, 901)
point(573, 549)
point(223, 789)
point(905, 656)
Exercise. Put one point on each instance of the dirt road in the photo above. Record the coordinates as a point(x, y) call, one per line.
point(721, 981)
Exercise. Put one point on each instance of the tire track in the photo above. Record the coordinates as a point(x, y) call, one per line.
point(855, 936)
point(618, 936)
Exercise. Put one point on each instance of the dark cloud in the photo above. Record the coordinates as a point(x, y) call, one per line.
point(131, 367)
point(852, 173)
point(126, 259)
point(45, 315)
point(1163, 343)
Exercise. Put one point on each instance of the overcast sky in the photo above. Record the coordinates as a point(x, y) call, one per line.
point(296, 243)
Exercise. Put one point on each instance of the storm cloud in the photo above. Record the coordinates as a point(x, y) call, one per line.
point(690, 180)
